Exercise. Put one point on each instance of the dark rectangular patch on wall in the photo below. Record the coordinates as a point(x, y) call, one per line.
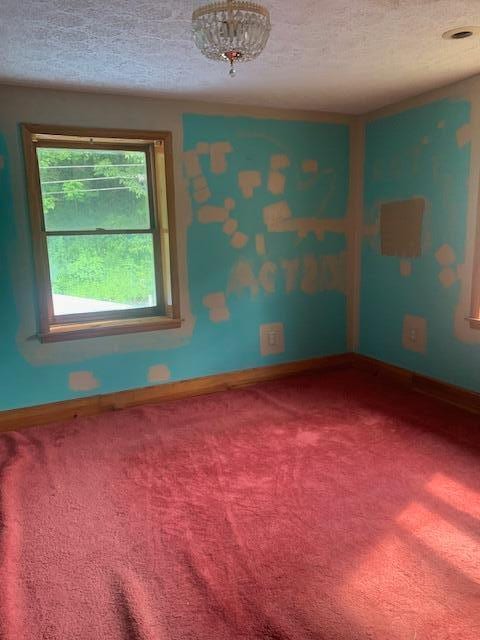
point(401, 224)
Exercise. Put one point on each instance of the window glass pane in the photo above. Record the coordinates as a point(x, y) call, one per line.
point(101, 273)
point(93, 189)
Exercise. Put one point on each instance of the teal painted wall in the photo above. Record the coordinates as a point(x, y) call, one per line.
point(313, 311)
point(314, 324)
point(416, 154)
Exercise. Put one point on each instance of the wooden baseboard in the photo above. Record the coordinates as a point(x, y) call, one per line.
point(449, 393)
point(17, 419)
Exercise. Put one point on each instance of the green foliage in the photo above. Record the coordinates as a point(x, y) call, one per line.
point(133, 177)
point(73, 191)
point(89, 190)
point(116, 268)
point(83, 189)
point(48, 203)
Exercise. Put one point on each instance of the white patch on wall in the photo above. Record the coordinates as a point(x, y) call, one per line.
point(201, 191)
point(279, 161)
point(82, 381)
point(276, 179)
point(445, 255)
point(278, 218)
point(239, 240)
point(464, 135)
point(210, 214)
point(158, 373)
point(260, 244)
point(448, 277)
point(203, 148)
point(216, 303)
point(248, 181)
point(192, 164)
point(230, 226)
point(218, 156)
point(276, 183)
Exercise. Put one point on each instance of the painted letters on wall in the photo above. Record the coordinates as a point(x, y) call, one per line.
point(264, 242)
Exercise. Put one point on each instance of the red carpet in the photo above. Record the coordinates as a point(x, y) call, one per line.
point(327, 507)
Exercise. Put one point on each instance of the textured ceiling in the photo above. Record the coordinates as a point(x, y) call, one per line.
point(334, 55)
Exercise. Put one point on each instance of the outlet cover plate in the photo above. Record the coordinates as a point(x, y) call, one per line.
point(415, 334)
point(266, 333)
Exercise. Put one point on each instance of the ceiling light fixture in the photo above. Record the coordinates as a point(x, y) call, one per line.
point(460, 33)
point(231, 31)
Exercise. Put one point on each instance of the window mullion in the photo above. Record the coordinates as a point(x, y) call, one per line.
point(100, 232)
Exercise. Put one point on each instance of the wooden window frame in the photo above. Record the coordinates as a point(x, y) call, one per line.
point(161, 191)
point(474, 319)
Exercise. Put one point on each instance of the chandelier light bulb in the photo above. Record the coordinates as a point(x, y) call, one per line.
point(232, 31)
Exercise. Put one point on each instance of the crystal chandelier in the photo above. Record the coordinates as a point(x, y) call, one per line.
point(233, 31)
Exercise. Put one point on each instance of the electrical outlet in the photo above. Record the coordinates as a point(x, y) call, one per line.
point(272, 340)
point(415, 334)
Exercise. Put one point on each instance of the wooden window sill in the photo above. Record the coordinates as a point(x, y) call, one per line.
point(62, 332)
point(474, 323)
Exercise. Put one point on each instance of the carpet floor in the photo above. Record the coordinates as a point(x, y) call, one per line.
point(326, 506)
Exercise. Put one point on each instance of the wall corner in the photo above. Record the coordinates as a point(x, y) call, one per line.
point(354, 230)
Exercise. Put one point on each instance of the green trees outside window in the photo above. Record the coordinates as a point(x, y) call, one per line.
point(96, 190)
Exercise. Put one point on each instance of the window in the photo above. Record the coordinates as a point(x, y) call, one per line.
point(102, 219)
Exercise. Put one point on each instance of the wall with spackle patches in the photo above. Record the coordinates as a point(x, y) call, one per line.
point(423, 152)
point(241, 268)
point(266, 226)
point(248, 287)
